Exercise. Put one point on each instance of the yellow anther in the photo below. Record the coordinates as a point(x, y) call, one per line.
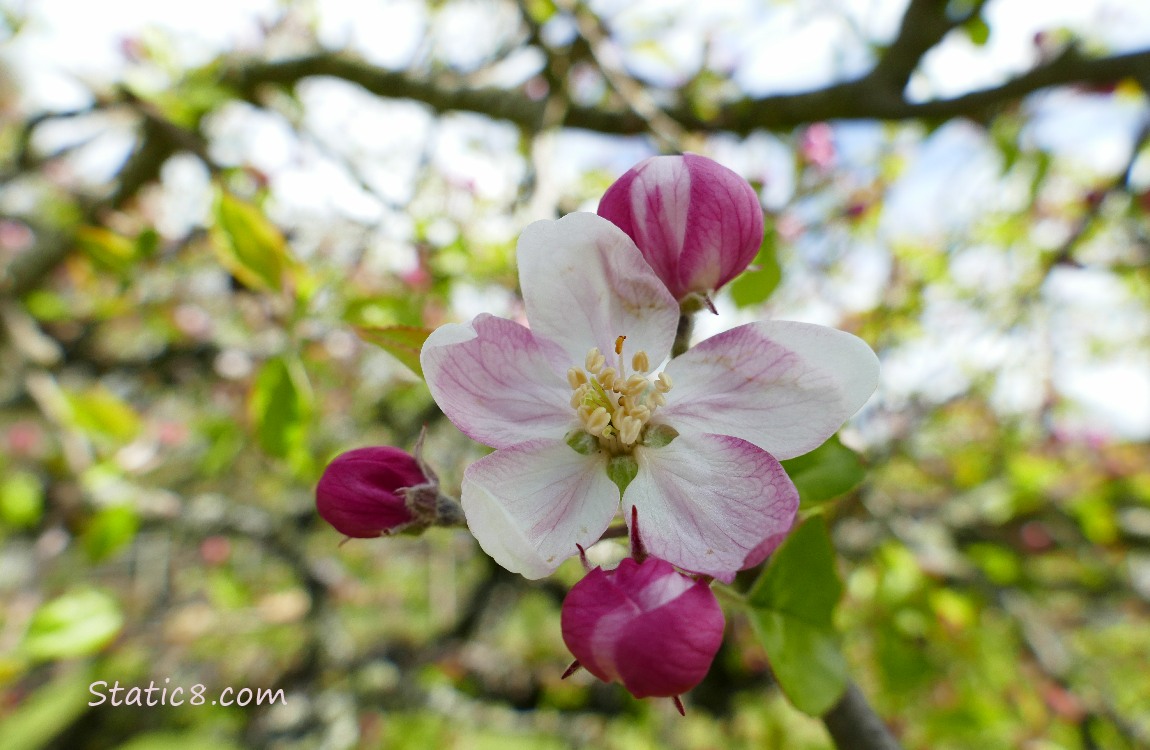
point(611, 405)
point(629, 430)
point(635, 385)
point(598, 421)
point(595, 361)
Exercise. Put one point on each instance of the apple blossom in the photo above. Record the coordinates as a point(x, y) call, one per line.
point(644, 624)
point(378, 491)
point(696, 222)
point(583, 412)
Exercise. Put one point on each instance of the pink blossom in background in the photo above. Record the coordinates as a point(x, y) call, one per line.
point(696, 222)
point(645, 625)
point(817, 146)
point(585, 391)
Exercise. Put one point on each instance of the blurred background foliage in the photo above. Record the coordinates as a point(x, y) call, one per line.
point(208, 216)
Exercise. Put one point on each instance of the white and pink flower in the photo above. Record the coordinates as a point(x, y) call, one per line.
point(584, 410)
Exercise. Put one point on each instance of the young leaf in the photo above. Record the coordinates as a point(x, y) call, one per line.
point(828, 471)
point(402, 342)
point(249, 245)
point(756, 285)
point(280, 406)
point(78, 623)
point(791, 608)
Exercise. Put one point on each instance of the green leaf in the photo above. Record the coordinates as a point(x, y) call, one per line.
point(77, 623)
point(98, 411)
point(402, 342)
point(43, 715)
point(107, 248)
point(792, 605)
point(21, 499)
point(109, 531)
point(249, 245)
point(756, 285)
point(280, 406)
point(828, 471)
point(977, 31)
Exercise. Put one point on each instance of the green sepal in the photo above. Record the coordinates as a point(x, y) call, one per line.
point(621, 470)
point(582, 442)
point(659, 435)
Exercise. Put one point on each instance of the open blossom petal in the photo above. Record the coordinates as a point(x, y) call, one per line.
point(784, 386)
point(585, 284)
point(498, 382)
point(706, 502)
point(529, 505)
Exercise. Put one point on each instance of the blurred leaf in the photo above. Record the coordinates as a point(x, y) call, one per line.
point(77, 623)
point(402, 342)
point(828, 471)
point(181, 740)
point(977, 31)
point(98, 411)
point(249, 245)
point(47, 712)
point(280, 406)
point(755, 286)
point(792, 604)
point(109, 531)
point(21, 499)
point(107, 248)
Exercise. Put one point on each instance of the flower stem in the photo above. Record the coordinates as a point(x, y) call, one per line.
point(683, 334)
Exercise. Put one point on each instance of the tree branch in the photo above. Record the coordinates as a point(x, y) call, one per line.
point(874, 96)
point(854, 725)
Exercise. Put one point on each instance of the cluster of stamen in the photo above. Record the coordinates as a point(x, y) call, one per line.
point(612, 405)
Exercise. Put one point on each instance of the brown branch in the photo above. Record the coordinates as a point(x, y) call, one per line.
point(924, 24)
point(853, 724)
point(871, 97)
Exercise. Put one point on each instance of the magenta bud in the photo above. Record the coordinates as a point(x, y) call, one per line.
point(696, 222)
point(644, 624)
point(369, 492)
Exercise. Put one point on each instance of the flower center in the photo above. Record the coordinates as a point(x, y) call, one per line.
point(612, 405)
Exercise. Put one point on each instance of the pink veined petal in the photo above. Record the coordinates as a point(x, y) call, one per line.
point(784, 386)
point(651, 203)
point(707, 501)
point(594, 615)
point(498, 382)
point(696, 222)
point(530, 504)
point(585, 283)
point(667, 651)
point(725, 228)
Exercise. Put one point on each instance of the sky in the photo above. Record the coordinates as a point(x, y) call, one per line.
point(950, 178)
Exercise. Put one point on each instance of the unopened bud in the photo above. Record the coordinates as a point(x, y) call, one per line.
point(645, 625)
point(379, 491)
point(697, 223)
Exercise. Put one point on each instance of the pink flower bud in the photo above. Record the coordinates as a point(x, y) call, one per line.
point(697, 223)
point(368, 492)
point(644, 624)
